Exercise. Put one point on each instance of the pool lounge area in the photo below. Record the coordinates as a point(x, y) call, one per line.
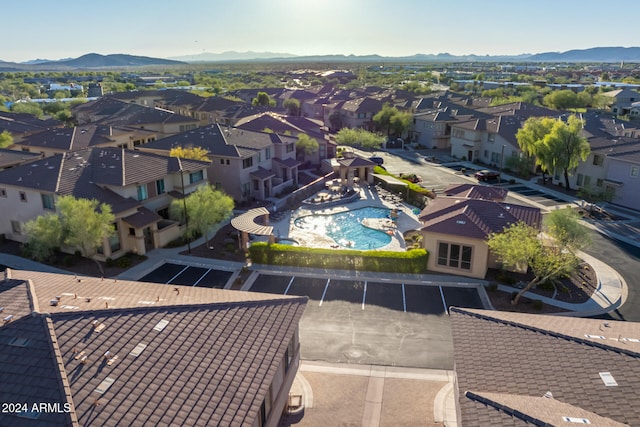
point(367, 223)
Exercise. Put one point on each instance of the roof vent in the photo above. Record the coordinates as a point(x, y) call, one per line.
point(138, 349)
point(576, 420)
point(104, 385)
point(54, 302)
point(461, 222)
point(19, 342)
point(608, 379)
point(161, 325)
point(8, 318)
point(97, 326)
point(548, 395)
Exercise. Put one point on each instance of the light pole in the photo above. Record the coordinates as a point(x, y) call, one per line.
point(186, 217)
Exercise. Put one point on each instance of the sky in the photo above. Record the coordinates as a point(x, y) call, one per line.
point(161, 28)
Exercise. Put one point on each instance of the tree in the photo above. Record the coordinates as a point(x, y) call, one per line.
point(530, 139)
point(400, 122)
point(27, 108)
point(44, 235)
point(204, 208)
point(359, 138)
point(566, 229)
point(85, 224)
point(193, 153)
point(5, 139)
point(293, 106)
point(566, 147)
point(382, 118)
point(518, 246)
point(305, 145)
point(263, 99)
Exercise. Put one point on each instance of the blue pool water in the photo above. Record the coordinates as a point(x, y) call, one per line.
point(345, 228)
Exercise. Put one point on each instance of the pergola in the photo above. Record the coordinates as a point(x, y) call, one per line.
point(246, 224)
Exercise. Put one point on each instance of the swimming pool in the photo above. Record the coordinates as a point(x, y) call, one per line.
point(346, 228)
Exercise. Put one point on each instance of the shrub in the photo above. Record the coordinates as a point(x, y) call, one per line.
point(124, 262)
point(492, 287)
point(109, 262)
point(412, 261)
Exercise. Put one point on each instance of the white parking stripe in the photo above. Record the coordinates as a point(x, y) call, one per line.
point(289, 285)
point(404, 299)
point(201, 277)
point(364, 294)
point(325, 292)
point(181, 271)
point(444, 303)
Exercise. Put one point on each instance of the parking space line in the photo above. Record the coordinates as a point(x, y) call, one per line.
point(404, 299)
point(325, 292)
point(444, 303)
point(201, 277)
point(289, 285)
point(170, 280)
point(364, 294)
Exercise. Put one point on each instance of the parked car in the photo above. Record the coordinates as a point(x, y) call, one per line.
point(377, 160)
point(486, 175)
point(411, 177)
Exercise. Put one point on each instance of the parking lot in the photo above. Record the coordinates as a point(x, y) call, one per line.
point(177, 274)
point(374, 321)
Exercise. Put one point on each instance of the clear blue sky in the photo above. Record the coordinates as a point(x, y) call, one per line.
point(161, 28)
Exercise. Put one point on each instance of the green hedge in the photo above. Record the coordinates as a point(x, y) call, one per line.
point(413, 261)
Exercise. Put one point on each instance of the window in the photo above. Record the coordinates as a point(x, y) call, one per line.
point(633, 173)
point(16, 227)
point(455, 256)
point(228, 162)
point(599, 182)
point(598, 160)
point(267, 153)
point(491, 137)
point(485, 153)
point(587, 181)
point(458, 133)
point(247, 163)
point(114, 240)
point(3, 192)
point(259, 157)
point(222, 161)
point(246, 189)
point(196, 177)
point(47, 202)
point(160, 186)
point(256, 185)
point(579, 180)
point(290, 148)
point(142, 193)
point(23, 196)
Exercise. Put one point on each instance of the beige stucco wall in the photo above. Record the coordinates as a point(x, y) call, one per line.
point(479, 255)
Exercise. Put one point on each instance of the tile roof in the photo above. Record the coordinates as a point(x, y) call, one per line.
point(22, 123)
point(474, 191)
point(142, 218)
point(511, 360)
point(185, 355)
point(85, 173)
point(10, 158)
point(474, 218)
point(77, 138)
point(221, 141)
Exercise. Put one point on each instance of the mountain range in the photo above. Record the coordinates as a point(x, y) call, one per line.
point(97, 61)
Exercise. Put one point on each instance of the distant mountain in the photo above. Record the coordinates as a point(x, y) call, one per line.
point(596, 54)
point(231, 56)
point(94, 60)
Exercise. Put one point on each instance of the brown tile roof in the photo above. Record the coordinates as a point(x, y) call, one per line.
point(9, 158)
point(474, 218)
point(142, 218)
point(195, 356)
point(473, 191)
point(85, 173)
point(508, 358)
point(19, 124)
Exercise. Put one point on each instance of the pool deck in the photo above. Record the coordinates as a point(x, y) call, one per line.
point(369, 197)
